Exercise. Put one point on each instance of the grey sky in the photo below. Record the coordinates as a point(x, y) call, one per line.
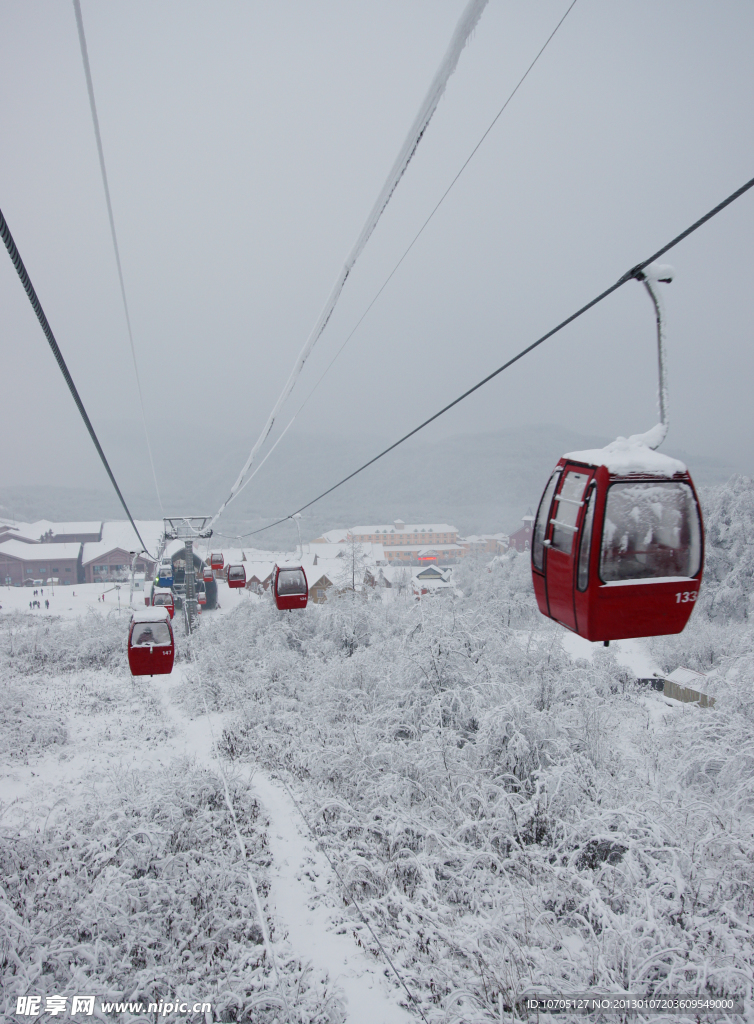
point(245, 144)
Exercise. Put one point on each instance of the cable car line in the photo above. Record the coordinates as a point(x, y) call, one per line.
point(634, 273)
point(410, 247)
point(466, 25)
point(100, 151)
point(18, 263)
point(419, 232)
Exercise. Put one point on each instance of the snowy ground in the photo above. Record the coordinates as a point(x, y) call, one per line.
point(507, 807)
point(104, 599)
point(117, 728)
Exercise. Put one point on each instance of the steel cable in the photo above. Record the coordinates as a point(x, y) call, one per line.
point(18, 263)
point(633, 273)
point(414, 240)
point(100, 151)
point(461, 35)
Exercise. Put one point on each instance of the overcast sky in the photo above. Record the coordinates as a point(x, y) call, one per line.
point(245, 144)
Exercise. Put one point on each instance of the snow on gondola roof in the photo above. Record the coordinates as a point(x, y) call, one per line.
point(630, 455)
point(152, 614)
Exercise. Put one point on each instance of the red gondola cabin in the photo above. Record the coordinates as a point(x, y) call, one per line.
point(207, 573)
point(151, 647)
point(289, 587)
point(163, 598)
point(618, 543)
point(236, 576)
point(216, 561)
point(201, 592)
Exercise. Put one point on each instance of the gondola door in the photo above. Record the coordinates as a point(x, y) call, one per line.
point(562, 544)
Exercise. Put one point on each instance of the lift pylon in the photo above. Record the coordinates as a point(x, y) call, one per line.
point(188, 529)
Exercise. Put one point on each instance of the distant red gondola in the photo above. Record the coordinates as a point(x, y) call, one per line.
point(151, 647)
point(289, 587)
point(618, 544)
point(236, 576)
point(201, 592)
point(163, 598)
point(216, 561)
point(207, 573)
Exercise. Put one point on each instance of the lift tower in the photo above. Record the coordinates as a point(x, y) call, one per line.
point(188, 529)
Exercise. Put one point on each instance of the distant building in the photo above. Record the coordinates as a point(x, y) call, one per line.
point(23, 564)
point(109, 558)
point(319, 587)
point(403, 543)
point(45, 532)
point(485, 543)
point(94, 552)
point(431, 579)
point(521, 539)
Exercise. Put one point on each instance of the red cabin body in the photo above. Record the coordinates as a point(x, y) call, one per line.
point(289, 587)
point(207, 573)
point(216, 561)
point(151, 646)
point(617, 552)
point(236, 576)
point(163, 598)
point(201, 593)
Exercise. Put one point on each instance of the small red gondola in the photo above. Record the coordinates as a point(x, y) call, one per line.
point(216, 560)
point(163, 598)
point(618, 544)
point(236, 576)
point(289, 587)
point(151, 647)
point(207, 573)
point(201, 593)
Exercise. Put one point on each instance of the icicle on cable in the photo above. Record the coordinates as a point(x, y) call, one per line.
point(465, 27)
point(101, 153)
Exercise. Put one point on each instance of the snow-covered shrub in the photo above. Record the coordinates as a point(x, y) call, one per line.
point(506, 817)
point(26, 726)
point(140, 893)
point(58, 645)
point(727, 592)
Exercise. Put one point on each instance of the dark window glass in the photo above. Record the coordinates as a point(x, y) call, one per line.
point(291, 582)
point(651, 530)
point(586, 540)
point(540, 525)
point(236, 573)
point(148, 634)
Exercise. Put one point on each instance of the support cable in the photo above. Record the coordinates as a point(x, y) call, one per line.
point(468, 22)
point(101, 153)
point(18, 263)
point(635, 273)
point(415, 239)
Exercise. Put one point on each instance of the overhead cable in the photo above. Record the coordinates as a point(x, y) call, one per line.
point(465, 27)
point(18, 263)
point(415, 239)
point(100, 151)
point(635, 272)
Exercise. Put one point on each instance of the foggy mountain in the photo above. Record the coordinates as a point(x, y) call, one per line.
point(481, 483)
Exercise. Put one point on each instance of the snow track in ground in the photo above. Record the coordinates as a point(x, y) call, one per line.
point(303, 897)
point(303, 885)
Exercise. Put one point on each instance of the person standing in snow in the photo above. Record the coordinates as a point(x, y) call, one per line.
point(47, 603)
